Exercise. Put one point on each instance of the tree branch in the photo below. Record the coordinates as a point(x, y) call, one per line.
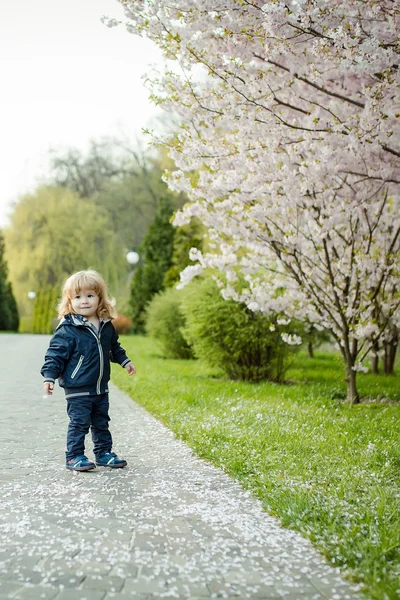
point(314, 85)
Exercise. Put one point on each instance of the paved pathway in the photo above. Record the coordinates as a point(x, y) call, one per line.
point(169, 526)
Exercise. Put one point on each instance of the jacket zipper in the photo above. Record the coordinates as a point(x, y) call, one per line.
point(101, 357)
point(101, 364)
point(78, 366)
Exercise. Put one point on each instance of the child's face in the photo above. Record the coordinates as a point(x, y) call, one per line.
point(85, 303)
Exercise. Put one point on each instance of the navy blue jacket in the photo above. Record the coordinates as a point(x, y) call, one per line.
point(79, 356)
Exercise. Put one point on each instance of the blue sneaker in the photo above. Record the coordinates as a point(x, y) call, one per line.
point(110, 459)
point(80, 463)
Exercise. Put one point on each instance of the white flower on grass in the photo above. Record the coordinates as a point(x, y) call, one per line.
point(292, 339)
point(272, 327)
point(253, 306)
point(283, 321)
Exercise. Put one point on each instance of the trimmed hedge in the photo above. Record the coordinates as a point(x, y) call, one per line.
point(164, 322)
point(226, 334)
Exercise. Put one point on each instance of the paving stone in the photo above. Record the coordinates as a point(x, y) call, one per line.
point(68, 594)
point(93, 568)
point(243, 577)
point(189, 548)
point(149, 541)
point(26, 562)
point(300, 587)
point(125, 570)
point(124, 596)
point(9, 587)
point(307, 596)
point(325, 585)
point(192, 589)
point(25, 575)
point(159, 571)
point(144, 586)
point(108, 583)
point(168, 526)
point(36, 593)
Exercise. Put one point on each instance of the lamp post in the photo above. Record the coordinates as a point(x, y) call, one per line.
point(31, 295)
point(132, 257)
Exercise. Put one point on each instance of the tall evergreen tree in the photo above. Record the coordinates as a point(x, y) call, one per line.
point(9, 320)
point(186, 237)
point(156, 256)
point(13, 308)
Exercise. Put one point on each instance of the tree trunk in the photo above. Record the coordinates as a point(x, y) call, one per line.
point(349, 356)
point(390, 357)
point(375, 360)
point(352, 392)
point(310, 350)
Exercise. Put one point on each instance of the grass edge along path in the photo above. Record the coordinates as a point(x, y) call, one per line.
point(326, 469)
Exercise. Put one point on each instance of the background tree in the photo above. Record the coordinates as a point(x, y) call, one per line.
point(86, 173)
point(53, 233)
point(13, 308)
point(386, 348)
point(120, 176)
point(295, 135)
point(114, 186)
point(44, 310)
point(156, 256)
point(9, 318)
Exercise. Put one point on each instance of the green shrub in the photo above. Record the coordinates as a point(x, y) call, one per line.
point(228, 335)
point(165, 321)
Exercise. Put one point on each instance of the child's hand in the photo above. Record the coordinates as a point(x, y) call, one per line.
point(48, 387)
point(130, 367)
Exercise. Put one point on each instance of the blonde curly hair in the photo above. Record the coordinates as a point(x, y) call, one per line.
point(87, 280)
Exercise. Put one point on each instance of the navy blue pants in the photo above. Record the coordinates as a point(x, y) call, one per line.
point(88, 412)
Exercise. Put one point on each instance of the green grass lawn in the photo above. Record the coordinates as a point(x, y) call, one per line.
point(326, 469)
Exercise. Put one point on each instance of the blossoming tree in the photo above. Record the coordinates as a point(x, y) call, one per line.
point(289, 152)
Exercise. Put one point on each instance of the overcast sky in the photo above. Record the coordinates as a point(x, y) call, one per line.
point(65, 78)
